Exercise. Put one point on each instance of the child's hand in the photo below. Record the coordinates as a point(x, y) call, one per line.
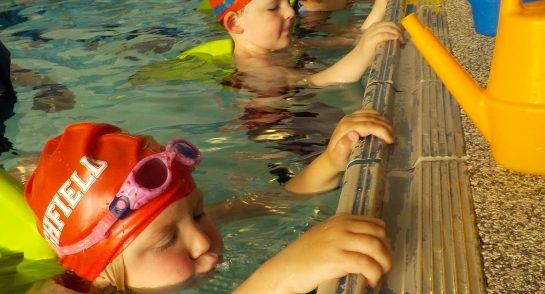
point(348, 131)
point(341, 245)
point(352, 66)
point(325, 172)
point(344, 244)
point(378, 33)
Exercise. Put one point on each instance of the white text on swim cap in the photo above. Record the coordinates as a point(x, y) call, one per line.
point(68, 197)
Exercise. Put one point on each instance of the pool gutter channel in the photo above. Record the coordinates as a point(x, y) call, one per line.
point(419, 185)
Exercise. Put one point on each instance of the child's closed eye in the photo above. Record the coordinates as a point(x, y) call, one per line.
point(274, 5)
point(198, 215)
point(168, 241)
point(198, 210)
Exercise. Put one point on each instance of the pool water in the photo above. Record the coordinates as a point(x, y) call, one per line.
point(249, 139)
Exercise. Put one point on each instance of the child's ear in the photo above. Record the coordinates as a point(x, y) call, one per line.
point(101, 281)
point(231, 23)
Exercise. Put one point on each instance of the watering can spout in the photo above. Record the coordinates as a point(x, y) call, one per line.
point(466, 91)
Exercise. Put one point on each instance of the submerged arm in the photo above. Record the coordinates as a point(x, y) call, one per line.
point(275, 201)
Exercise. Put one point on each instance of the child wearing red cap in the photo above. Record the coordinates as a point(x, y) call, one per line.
point(221, 7)
point(262, 28)
point(122, 211)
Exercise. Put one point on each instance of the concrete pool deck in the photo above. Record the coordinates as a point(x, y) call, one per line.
point(510, 207)
point(458, 222)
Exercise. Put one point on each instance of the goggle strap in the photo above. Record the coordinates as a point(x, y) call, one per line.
point(188, 155)
point(99, 233)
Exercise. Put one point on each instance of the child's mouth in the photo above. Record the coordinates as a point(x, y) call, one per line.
point(207, 263)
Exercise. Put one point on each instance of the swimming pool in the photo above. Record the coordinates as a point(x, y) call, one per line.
point(93, 49)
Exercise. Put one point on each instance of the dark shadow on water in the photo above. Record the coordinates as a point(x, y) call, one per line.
point(7, 97)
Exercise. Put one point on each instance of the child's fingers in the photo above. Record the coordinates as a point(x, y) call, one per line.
point(365, 265)
point(366, 118)
point(385, 31)
point(358, 220)
point(378, 129)
point(371, 246)
point(385, 25)
point(360, 124)
point(401, 38)
point(363, 115)
point(342, 147)
point(363, 243)
point(381, 37)
point(359, 224)
point(368, 232)
point(380, 121)
point(372, 227)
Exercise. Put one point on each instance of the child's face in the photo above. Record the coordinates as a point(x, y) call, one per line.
point(267, 23)
point(178, 244)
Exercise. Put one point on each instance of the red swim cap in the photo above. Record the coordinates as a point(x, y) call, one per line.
point(221, 7)
point(78, 175)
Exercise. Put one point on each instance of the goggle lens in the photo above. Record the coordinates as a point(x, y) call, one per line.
point(186, 153)
point(152, 174)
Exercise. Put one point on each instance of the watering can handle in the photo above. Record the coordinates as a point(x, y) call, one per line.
point(511, 6)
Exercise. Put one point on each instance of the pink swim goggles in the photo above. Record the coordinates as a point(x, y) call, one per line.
point(149, 178)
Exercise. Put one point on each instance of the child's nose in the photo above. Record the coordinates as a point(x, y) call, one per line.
point(289, 12)
point(199, 243)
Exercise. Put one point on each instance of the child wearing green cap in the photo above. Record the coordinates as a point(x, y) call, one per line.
point(124, 212)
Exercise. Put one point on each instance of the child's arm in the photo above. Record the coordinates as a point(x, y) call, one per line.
point(338, 246)
point(324, 5)
point(351, 67)
point(324, 173)
point(343, 36)
point(377, 14)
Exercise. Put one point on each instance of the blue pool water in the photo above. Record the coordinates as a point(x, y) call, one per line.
point(93, 48)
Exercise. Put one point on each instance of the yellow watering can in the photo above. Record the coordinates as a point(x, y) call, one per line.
point(510, 113)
